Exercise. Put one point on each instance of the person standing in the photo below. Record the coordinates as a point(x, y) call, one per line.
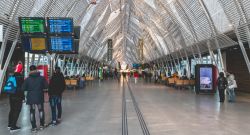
point(56, 87)
point(222, 85)
point(136, 76)
point(35, 85)
point(16, 101)
point(231, 86)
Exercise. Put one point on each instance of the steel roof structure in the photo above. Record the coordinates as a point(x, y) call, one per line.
point(169, 28)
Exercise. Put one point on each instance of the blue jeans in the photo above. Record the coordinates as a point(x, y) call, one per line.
point(56, 103)
point(231, 95)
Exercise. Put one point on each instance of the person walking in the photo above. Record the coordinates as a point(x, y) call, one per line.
point(136, 76)
point(231, 86)
point(222, 85)
point(56, 87)
point(16, 101)
point(35, 85)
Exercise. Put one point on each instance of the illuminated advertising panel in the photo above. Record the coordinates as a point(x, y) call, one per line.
point(206, 78)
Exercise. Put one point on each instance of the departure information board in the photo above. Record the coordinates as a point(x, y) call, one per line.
point(61, 44)
point(34, 44)
point(60, 25)
point(38, 44)
point(32, 25)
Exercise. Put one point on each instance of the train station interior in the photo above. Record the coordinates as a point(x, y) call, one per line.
point(124, 67)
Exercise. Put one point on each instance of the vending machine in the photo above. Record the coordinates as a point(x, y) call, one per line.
point(205, 78)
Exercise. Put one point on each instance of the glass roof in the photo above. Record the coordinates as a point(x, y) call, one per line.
point(166, 26)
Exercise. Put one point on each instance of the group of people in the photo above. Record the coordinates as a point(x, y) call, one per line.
point(226, 84)
point(80, 80)
point(34, 87)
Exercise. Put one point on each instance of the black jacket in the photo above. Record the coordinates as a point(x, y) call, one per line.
point(57, 85)
point(222, 83)
point(35, 85)
point(19, 80)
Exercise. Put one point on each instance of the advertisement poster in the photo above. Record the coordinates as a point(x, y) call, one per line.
point(206, 77)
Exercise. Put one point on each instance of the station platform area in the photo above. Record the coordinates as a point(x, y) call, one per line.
point(113, 108)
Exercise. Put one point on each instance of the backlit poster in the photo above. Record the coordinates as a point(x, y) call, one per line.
point(206, 77)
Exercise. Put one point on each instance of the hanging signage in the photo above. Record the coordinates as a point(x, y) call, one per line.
point(141, 50)
point(110, 50)
point(58, 25)
point(32, 25)
point(1, 33)
point(34, 44)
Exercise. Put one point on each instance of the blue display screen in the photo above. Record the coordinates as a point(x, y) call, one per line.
point(60, 25)
point(61, 44)
point(206, 78)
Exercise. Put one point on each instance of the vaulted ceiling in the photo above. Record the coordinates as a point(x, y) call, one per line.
point(168, 27)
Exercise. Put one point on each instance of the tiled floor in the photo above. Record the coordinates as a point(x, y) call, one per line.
point(97, 110)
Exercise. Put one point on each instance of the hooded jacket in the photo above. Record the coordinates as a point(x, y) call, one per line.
point(35, 85)
point(57, 84)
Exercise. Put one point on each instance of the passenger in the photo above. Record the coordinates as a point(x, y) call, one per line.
point(35, 85)
point(231, 86)
point(222, 85)
point(56, 87)
point(82, 81)
point(16, 100)
point(136, 76)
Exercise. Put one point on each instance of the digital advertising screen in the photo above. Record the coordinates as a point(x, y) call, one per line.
point(60, 25)
point(34, 44)
point(61, 44)
point(31, 25)
point(206, 78)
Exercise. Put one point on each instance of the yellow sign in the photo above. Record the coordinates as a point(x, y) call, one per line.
point(38, 44)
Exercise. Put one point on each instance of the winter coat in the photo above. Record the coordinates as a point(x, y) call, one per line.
point(19, 81)
point(35, 85)
point(57, 85)
point(222, 83)
point(231, 82)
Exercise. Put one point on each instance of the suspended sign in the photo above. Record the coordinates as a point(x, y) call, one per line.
point(1, 33)
point(141, 50)
point(110, 50)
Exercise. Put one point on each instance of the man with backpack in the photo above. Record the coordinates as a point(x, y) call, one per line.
point(16, 98)
point(222, 85)
point(56, 87)
point(35, 85)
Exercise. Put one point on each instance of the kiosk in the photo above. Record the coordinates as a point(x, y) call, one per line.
point(205, 77)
